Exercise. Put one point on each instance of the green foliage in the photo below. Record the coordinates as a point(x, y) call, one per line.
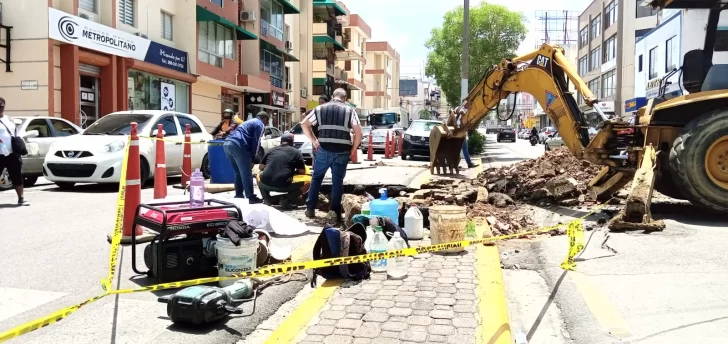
point(495, 34)
point(476, 142)
point(425, 114)
point(470, 229)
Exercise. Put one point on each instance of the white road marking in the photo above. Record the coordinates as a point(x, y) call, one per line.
point(15, 301)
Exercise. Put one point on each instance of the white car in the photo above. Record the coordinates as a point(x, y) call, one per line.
point(96, 155)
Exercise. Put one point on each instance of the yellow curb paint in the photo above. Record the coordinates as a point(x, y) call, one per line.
point(494, 326)
point(289, 329)
point(598, 303)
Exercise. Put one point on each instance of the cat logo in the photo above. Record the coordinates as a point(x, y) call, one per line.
point(542, 61)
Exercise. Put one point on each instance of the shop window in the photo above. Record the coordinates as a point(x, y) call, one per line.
point(145, 92)
point(167, 26)
point(215, 42)
point(271, 12)
point(168, 125)
point(184, 120)
point(41, 125)
point(62, 128)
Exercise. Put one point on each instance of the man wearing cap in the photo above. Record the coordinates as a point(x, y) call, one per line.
point(329, 128)
point(228, 122)
point(283, 170)
point(241, 147)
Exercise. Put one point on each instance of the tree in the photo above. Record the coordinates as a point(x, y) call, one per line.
point(425, 114)
point(495, 33)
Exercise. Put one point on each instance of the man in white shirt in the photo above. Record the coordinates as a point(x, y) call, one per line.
point(10, 160)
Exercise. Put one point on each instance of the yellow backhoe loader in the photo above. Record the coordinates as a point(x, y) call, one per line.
point(677, 146)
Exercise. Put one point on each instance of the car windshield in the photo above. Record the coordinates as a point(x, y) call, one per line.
point(383, 119)
point(423, 126)
point(366, 130)
point(118, 124)
point(297, 129)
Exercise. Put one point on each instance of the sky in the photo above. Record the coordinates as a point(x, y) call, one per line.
point(406, 24)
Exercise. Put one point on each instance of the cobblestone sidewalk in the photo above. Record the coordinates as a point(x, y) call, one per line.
point(436, 303)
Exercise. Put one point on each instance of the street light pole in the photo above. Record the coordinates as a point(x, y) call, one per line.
point(466, 50)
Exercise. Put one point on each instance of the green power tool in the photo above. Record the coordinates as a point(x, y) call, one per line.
point(201, 304)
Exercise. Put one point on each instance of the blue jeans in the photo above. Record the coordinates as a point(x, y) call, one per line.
point(466, 154)
point(337, 163)
point(242, 163)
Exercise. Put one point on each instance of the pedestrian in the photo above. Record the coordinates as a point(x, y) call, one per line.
point(241, 148)
point(10, 160)
point(460, 111)
point(328, 127)
point(284, 170)
point(227, 124)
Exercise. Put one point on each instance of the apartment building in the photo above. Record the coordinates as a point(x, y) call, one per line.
point(419, 97)
point(660, 52)
point(82, 59)
point(327, 41)
point(352, 61)
point(299, 74)
point(607, 33)
point(381, 76)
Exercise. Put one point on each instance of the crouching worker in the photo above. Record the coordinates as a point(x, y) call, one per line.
point(283, 170)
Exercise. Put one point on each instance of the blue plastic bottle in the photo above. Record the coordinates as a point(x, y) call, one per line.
point(384, 206)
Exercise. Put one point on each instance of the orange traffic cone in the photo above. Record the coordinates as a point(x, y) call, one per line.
point(370, 153)
point(386, 147)
point(133, 192)
point(401, 144)
point(160, 172)
point(187, 158)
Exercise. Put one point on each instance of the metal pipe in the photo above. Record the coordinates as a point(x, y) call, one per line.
point(466, 50)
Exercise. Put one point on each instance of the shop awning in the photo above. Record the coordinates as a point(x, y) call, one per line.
point(288, 7)
point(272, 48)
point(330, 40)
point(269, 107)
point(338, 11)
point(204, 15)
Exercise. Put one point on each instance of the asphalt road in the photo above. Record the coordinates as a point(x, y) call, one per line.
point(663, 287)
point(55, 254)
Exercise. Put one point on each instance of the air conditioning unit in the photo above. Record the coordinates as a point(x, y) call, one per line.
point(304, 92)
point(141, 35)
point(289, 45)
point(247, 16)
point(88, 15)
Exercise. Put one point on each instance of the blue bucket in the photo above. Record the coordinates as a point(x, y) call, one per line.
point(221, 171)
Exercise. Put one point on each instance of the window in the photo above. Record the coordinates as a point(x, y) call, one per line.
point(584, 65)
point(584, 37)
point(652, 62)
point(671, 58)
point(645, 11)
point(88, 5)
point(595, 58)
point(62, 128)
point(610, 14)
point(167, 30)
point(273, 132)
point(217, 2)
point(594, 86)
point(608, 83)
point(610, 49)
point(144, 92)
point(215, 42)
point(579, 98)
point(41, 125)
point(721, 40)
point(126, 12)
point(272, 64)
point(271, 12)
point(168, 125)
point(639, 63)
point(596, 27)
point(640, 33)
point(184, 120)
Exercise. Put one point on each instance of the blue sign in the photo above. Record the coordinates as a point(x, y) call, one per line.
point(634, 104)
point(162, 55)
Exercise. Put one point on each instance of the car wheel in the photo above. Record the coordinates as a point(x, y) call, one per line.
point(29, 181)
point(5, 183)
point(205, 167)
point(143, 172)
point(65, 185)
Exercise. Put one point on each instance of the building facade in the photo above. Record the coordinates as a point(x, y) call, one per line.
point(352, 61)
point(607, 33)
point(381, 76)
point(327, 41)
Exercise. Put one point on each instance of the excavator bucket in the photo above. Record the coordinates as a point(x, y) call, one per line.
point(445, 150)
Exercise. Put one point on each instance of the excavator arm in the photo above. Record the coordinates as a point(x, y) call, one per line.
point(545, 74)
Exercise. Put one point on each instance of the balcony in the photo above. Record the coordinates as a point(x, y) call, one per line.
point(263, 28)
point(324, 54)
point(324, 28)
point(322, 68)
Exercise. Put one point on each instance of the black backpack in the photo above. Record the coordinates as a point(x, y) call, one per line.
point(335, 243)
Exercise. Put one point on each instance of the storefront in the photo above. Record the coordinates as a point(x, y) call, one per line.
point(273, 103)
point(104, 70)
point(633, 105)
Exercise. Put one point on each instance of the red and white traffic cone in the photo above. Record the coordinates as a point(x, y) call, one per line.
point(187, 158)
point(370, 150)
point(160, 161)
point(387, 146)
point(401, 144)
point(355, 157)
point(133, 192)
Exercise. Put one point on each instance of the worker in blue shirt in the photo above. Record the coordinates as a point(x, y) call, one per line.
point(241, 147)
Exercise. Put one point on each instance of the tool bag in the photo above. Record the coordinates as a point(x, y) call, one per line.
point(336, 243)
point(16, 143)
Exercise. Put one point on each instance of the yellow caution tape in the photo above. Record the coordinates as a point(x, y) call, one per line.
point(575, 231)
point(118, 226)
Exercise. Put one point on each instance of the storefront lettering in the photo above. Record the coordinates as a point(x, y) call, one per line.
point(172, 60)
point(109, 40)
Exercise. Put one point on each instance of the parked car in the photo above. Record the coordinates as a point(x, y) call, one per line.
point(544, 133)
point(49, 130)
point(96, 155)
point(524, 134)
point(301, 141)
point(417, 138)
point(553, 141)
point(379, 137)
point(506, 134)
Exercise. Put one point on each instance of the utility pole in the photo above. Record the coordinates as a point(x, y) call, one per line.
point(466, 50)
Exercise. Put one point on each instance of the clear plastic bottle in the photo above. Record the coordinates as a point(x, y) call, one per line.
point(397, 267)
point(370, 238)
point(197, 189)
point(378, 245)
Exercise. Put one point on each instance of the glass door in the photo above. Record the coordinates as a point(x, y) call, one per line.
point(89, 100)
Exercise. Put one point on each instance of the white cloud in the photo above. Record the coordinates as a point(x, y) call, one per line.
point(406, 24)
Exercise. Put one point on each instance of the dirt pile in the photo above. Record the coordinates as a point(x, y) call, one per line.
point(556, 177)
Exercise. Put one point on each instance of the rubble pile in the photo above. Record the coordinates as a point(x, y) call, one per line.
point(557, 177)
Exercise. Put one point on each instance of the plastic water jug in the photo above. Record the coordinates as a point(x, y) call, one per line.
point(379, 245)
point(413, 223)
point(197, 189)
point(384, 206)
point(397, 267)
point(370, 238)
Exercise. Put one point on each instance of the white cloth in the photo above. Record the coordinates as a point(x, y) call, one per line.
point(4, 134)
